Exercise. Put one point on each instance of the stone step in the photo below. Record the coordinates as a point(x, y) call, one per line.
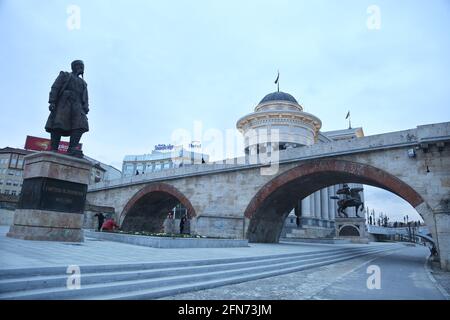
point(59, 280)
point(122, 287)
point(155, 293)
point(61, 270)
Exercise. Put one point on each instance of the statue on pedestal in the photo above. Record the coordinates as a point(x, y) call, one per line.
point(68, 109)
point(351, 198)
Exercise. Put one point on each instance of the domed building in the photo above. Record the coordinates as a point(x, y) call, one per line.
point(280, 113)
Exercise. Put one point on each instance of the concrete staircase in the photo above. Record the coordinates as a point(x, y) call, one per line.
point(160, 279)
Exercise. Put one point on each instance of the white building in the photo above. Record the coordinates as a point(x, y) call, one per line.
point(163, 157)
point(279, 117)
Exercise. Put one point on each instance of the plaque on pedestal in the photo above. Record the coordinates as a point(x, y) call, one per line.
point(53, 197)
point(352, 228)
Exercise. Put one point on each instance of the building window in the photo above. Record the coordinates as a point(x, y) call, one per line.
point(157, 166)
point(15, 183)
point(1, 182)
point(129, 170)
point(10, 172)
point(6, 191)
point(14, 192)
point(149, 168)
point(13, 163)
point(8, 182)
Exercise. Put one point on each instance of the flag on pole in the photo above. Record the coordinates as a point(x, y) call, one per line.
point(348, 115)
point(277, 81)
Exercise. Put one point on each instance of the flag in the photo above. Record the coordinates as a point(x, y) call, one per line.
point(348, 115)
point(278, 77)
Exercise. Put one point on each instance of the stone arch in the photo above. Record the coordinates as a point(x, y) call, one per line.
point(271, 204)
point(148, 207)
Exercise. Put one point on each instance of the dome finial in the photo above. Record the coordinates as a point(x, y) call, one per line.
point(277, 81)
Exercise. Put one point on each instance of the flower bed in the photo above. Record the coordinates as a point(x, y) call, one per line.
point(163, 240)
point(151, 234)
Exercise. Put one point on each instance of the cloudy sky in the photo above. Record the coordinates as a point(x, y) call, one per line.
point(155, 67)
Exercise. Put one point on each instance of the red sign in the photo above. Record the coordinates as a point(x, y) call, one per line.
point(42, 144)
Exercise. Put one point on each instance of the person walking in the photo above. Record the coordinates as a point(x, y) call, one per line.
point(101, 219)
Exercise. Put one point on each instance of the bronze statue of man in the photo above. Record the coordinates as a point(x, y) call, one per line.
point(68, 108)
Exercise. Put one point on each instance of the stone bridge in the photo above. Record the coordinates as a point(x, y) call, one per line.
point(248, 198)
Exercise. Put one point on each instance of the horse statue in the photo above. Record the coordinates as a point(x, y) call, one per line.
point(351, 198)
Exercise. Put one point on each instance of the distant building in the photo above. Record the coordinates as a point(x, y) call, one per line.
point(162, 158)
point(103, 172)
point(11, 170)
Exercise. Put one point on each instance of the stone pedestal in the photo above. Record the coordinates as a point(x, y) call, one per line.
point(351, 228)
point(53, 197)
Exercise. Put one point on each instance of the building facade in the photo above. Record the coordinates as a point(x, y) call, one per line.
point(162, 158)
point(11, 170)
point(279, 122)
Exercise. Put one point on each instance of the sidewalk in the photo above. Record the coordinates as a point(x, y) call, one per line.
point(441, 277)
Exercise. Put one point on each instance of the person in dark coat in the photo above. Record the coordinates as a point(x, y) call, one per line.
point(69, 106)
point(183, 223)
point(101, 219)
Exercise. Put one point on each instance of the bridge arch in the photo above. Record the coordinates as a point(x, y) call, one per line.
point(273, 202)
point(148, 208)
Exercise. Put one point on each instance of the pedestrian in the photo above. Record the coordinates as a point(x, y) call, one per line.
point(169, 224)
point(433, 250)
point(183, 223)
point(101, 219)
point(109, 225)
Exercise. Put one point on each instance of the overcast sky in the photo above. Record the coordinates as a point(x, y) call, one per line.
point(154, 67)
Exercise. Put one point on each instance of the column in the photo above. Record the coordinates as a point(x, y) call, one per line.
point(312, 212)
point(324, 203)
point(335, 205)
point(317, 209)
point(306, 207)
point(331, 203)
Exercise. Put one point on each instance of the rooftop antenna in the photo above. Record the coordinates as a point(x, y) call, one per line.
point(277, 81)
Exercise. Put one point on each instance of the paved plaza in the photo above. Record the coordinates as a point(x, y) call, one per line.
point(16, 253)
point(403, 277)
point(404, 274)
